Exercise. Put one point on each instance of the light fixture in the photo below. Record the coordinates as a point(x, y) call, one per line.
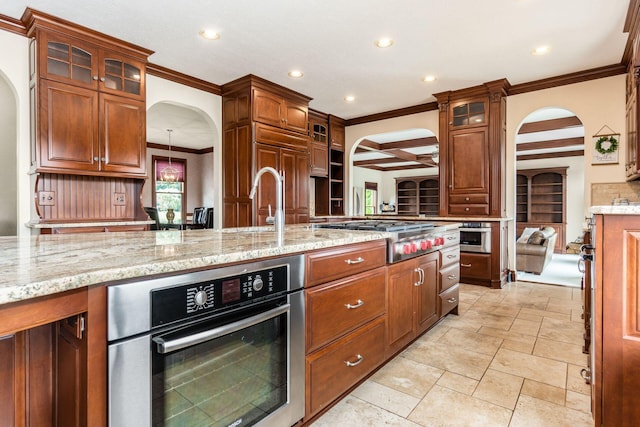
point(169, 173)
point(541, 50)
point(296, 74)
point(349, 98)
point(429, 78)
point(435, 156)
point(384, 42)
point(210, 34)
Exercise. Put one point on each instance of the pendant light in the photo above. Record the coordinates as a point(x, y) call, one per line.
point(435, 156)
point(169, 173)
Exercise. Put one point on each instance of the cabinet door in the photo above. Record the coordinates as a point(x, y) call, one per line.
point(337, 133)
point(295, 167)
point(122, 135)
point(296, 117)
point(469, 162)
point(120, 75)
point(68, 60)
point(402, 279)
point(68, 126)
point(319, 159)
point(268, 108)
point(266, 155)
point(426, 309)
point(237, 177)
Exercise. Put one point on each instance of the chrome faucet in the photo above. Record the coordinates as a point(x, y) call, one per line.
point(278, 218)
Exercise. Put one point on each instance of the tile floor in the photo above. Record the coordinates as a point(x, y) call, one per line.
point(511, 358)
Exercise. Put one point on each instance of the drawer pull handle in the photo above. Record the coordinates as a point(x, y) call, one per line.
point(354, 261)
point(451, 300)
point(451, 237)
point(357, 362)
point(359, 303)
point(451, 256)
point(585, 373)
point(420, 276)
point(452, 276)
point(465, 265)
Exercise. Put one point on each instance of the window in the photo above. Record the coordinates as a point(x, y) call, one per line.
point(370, 197)
point(169, 195)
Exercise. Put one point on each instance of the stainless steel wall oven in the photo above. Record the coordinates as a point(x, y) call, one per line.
point(475, 237)
point(222, 347)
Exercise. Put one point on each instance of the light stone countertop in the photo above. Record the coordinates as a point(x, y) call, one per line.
point(616, 210)
point(46, 264)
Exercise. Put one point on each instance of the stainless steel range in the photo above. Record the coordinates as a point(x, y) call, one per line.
point(406, 239)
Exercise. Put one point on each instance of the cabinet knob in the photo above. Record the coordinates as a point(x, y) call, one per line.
point(466, 198)
point(102, 79)
point(466, 209)
point(95, 77)
point(95, 159)
point(104, 159)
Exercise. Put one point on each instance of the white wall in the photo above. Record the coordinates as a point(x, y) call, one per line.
point(208, 166)
point(14, 67)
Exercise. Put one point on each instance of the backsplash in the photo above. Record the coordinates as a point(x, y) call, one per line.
point(603, 194)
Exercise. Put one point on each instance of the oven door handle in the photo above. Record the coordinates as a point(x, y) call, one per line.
point(165, 347)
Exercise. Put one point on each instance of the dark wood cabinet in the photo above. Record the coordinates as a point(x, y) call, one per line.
point(88, 91)
point(487, 269)
point(541, 199)
point(413, 299)
point(615, 343)
point(632, 163)
point(319, 144)
point(336, 133)
point(294, 166)
point(264, 125)
point(472, 148)
point(417, 195)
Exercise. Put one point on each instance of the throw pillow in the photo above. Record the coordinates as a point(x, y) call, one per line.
point(536, 238)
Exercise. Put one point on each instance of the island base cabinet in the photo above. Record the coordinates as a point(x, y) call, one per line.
point(332, 370)
point(449, 300)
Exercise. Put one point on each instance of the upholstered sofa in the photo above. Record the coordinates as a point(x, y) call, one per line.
point(534, 249)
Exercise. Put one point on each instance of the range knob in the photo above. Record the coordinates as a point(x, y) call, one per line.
point(406, 248)
point(200, 298)
point(414, 247)
point(257, 284)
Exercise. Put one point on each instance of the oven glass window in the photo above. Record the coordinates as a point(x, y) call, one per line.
point(240, 376)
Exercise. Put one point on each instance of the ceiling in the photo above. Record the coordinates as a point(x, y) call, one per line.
point(332, 42)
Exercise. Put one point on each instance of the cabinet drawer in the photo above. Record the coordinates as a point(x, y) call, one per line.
point(325, 266)
point(469, 209)
point(449, 300)
point(449, 276)
point(451, 238)
point(328, 375)
point(451, 255)
point(339, 307)
point(476, 266)
point(469, 199)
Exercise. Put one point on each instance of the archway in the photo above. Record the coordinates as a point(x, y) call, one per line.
point(193, 137)
point(383, 158)
point(550, 176)
point(8, 159)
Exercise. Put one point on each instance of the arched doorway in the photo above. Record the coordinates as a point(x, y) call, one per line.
point(8, 160)
point(382, 159)
point(549, 177)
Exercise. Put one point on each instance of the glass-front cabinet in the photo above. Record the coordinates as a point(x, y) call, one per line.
point(469, 114)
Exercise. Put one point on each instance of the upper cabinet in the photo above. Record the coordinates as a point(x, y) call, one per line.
point(319, 144)
point(336, 132)
point(275, 110)
point(88, 100)
point(472, 150)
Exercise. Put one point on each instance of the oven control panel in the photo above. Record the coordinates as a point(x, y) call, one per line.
point(193, 299)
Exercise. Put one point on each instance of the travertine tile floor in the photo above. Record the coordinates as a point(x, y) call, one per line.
point(511, 358)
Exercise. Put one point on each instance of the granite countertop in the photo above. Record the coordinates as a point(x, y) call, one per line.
point(616, 210)
point(35, 224)
point(46, 264)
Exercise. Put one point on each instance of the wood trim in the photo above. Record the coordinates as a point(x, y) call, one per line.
point(551, 155)
point(631, 27)
point(551, 124)
point(415, 109)
point(97, 355)
point(12, 25)
point(571, 78)
point(35, 312)
point(179, 149)
point(183, 79)
point(553, 143)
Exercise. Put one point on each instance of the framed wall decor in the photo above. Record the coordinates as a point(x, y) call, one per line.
point(605, 149)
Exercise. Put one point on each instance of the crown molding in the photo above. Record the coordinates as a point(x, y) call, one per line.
point(184, 79)
point(12, 25)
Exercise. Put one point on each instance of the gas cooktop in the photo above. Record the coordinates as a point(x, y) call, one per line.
point(390, 226)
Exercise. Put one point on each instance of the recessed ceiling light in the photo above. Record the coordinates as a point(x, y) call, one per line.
point(384, 42)
point(349, 98)
point(210, 34)
point(429, 78)
point(295, 74)
point(540, 50)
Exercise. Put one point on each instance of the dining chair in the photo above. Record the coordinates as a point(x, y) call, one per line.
point(153, 214)
point(198, 219)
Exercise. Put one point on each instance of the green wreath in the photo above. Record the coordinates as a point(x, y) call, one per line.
point(613, 144)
